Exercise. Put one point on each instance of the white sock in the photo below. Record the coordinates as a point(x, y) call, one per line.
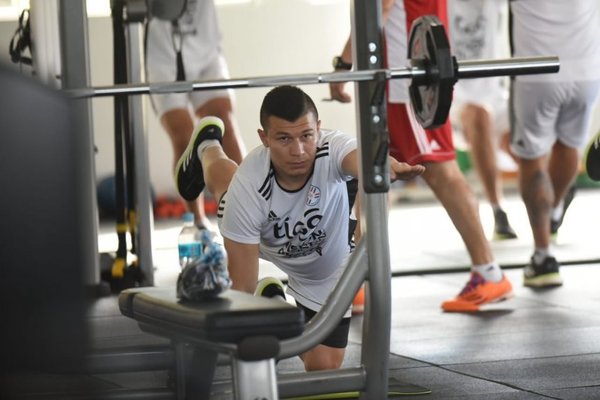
point(490, 272)
point(540, 254)
point(205, 145)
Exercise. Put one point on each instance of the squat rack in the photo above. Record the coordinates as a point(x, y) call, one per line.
point(370, 262)
point(372, 138)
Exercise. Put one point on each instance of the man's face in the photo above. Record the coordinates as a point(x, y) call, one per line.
point(293, 146)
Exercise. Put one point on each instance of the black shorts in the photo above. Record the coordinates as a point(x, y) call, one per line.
point(339, 337)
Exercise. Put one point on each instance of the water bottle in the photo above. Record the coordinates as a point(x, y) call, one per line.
point(190, 243)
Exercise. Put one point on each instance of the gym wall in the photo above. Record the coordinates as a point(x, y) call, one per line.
point(260, 37)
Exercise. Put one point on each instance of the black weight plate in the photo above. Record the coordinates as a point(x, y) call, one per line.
point(428, 48)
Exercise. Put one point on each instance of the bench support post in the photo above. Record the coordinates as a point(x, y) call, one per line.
point(255, 379)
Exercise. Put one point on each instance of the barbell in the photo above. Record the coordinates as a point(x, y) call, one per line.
point(432, 68)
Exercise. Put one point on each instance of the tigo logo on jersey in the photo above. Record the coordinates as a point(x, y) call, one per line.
point(314, 196)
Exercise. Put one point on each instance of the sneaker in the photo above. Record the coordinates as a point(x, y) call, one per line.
point(478, 292)
point(270, 287)
point(502, 228)
point(591, 158)
point(555, 224)
point(358, 304)
point(188, 171)
point(543, 275)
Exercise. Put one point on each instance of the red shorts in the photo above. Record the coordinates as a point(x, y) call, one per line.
point(415, 9)
point(410, 143)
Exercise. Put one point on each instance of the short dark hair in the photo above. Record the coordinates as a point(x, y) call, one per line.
point(286, 102)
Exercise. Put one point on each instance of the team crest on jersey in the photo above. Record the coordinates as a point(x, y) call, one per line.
point(314, 196)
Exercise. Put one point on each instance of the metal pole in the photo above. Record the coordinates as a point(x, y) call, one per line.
point(373, 144)
point(75, 74)
point(144, 217)
point(465, 70)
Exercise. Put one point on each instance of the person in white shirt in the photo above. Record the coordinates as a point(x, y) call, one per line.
point(189, 48)
point(287, 203)
point(479, 30)
point(551, 115)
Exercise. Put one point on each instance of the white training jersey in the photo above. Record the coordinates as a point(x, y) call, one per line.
point(569, 29)
point(479, 30)
point(200, 41)
point(305, 232)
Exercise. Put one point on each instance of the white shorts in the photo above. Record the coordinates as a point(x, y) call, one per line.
point(216, 69)
point(544, 112)
point(492, 94)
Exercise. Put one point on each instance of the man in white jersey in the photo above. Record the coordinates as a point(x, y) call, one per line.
point(478, 30)
point(551, 114)
point(189, 48)
point(286, 202)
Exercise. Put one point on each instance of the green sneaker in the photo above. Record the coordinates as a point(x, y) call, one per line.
point(502, 228)
point(545, 274)
point(591, 158)
point(188, 171)
point(270, 287)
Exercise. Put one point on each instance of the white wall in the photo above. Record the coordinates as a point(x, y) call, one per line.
point(263, 37)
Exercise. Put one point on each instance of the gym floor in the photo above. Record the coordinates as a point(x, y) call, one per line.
point(542, 344)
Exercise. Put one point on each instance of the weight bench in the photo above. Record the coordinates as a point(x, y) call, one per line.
point(246, 327)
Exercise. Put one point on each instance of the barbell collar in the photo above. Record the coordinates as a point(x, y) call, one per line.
point(465, 70)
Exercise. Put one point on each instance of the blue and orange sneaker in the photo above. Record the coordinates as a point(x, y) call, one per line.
point(478, 292)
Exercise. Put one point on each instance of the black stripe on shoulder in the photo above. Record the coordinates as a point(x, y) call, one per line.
point(266, 188)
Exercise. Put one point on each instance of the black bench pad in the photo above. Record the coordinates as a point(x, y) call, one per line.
point(229, 318)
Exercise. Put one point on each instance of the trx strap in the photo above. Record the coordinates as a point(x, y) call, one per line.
point(178, 46)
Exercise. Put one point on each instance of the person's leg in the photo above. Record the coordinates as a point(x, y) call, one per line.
point(476, 123)
point(563, 167)
point(330, 353)
point(450, 187)
point(537, 192)
point(179, 126)
point(477, 126)
point(434, 148)
point(222, 108)
point(322, 357)
point(204, 163)
point(218, 170)
point(538, 196)
point(487, 283)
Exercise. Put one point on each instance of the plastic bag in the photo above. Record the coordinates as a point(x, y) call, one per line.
point(206, 276)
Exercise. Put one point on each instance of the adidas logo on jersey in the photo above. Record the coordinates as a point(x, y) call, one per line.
point(273, 217)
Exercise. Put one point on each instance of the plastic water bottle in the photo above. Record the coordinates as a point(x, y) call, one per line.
point(190, 243)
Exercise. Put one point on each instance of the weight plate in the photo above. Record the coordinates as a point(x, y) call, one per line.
point(428, 48)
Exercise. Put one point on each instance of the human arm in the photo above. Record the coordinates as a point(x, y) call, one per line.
point(337, 90)
point(242, 265)
point(398, 170)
